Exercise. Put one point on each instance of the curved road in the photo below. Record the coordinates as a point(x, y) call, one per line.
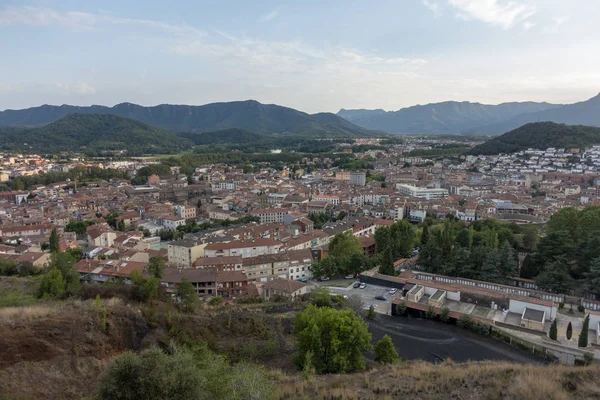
point(426, 340)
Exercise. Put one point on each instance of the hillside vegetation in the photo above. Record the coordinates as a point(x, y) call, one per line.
point(92, 133)
point(540, 135)
point(249, 115)
point(225, 136)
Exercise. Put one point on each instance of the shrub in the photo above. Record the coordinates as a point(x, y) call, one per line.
point(401, 309)
point(215, 301)
point(580, 308)
point(465, 322)
point(561, 305)
point(445, 314)
point(249, 300)
point(430, 313)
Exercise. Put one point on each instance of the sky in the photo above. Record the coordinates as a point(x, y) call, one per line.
point(312, 55)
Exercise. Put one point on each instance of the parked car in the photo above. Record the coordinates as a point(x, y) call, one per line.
point(324, 278)
point(393, 291)
point(303, 280)
point(356, 285)
point(362, 286)
point(380, 298)
point(349, 277)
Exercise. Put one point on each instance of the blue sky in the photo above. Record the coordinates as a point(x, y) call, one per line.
point(310, 55)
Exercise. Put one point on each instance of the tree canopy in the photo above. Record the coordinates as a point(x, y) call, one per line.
point(335, 339)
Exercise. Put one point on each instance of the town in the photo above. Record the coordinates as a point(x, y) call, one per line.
point(255, 230)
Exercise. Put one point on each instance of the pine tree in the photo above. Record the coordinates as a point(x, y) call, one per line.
point(569, 331)
point(592, 278)
point(553, 330)
point(583, 336)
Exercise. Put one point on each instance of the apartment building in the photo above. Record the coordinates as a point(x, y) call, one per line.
point(269, 215)
point(422, 193)
point(183, 253)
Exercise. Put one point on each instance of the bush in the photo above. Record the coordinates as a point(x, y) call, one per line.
point(465, 322)
point(445, 314)
point(561, 305)
point(401, 309)
point(580, 308)
point(215, 301)
point(249, 300)
point(430, 313)
point(385, 352)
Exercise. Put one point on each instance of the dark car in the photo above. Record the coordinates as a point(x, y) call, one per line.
point(356, 285)
point(380, 298)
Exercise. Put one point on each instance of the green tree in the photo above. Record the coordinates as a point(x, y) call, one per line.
point(569, 331)
point(555, 278)
point(54, 241)
point(425, 235)
point(121, 226)
point(592, 278)
point(445, 314)
point(187, 294)
point(371, 313)
point(335, 339)
point(383, 239)
point(553, 330)
point(385, 353)
point(52, 284)
point(64, 262)
point(343, 245)
point(156, 266)
point(386, 260)
point(583, 335)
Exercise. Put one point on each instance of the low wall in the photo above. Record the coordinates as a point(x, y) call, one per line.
point(519, 328)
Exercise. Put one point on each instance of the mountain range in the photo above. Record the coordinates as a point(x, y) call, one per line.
point(540, 135)
point(466, 117)
point(249, 115)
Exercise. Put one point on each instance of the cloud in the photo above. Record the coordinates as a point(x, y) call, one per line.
point(75, 88)
point(269, 16)
point(495, 12)
point(433, 5)
point(76, 20)
point(528, 25)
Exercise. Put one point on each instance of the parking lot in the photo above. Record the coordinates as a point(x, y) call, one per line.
point(367, 295)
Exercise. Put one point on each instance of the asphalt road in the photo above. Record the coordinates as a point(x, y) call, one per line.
point(416, 338)
point(431, 341)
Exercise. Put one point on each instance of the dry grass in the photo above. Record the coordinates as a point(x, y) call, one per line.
point(11, 315)
point(420, 380)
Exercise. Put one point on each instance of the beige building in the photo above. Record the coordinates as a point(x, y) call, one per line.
point(243, 248)
point(415, 294)
point(183, 253)
point(283, 287)
point(533, 319)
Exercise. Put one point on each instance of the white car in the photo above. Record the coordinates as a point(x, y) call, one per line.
point(393, 290)
point(362, 286)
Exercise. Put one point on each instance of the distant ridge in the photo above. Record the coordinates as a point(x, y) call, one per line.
point(249, 115)
point(446, 117)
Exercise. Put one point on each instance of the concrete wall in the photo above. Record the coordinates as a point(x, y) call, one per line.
point(518, 306)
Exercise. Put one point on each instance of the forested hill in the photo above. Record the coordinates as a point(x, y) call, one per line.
point(92, 133)
point(250, 115)
point(540, 135)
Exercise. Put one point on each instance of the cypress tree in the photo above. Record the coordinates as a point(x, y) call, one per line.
point(553, 330)
point(54, 241)
point(583, 336)
point(569, 331)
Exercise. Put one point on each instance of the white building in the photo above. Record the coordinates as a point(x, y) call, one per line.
point(422, 193)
